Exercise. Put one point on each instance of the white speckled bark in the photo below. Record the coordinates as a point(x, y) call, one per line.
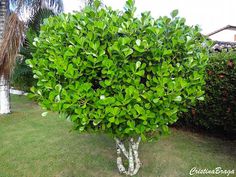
point(4, 84)
point(4, 96)
point(131, 156)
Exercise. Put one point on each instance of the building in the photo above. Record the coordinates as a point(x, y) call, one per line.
point(226, 34)
point(225, 38)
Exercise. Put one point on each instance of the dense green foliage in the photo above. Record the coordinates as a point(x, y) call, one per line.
point(110, 71)
point(22, 76)
point(218, 112)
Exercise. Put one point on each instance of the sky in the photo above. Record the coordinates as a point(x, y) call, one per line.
point(210, 15)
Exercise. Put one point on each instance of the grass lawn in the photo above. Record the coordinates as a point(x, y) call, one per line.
point(35, 146)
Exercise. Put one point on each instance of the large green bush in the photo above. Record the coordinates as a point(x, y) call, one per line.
point(218, 113)
point(110, 71)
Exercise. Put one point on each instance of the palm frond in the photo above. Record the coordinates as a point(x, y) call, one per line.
point(33, 31)
point(28, 48)
point(37, 19)
point(55, 5)
point(22, 77)
point(12, 39)
point(15, 26)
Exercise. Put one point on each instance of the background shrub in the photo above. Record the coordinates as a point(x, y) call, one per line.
point(110, 71)
point(218, 112)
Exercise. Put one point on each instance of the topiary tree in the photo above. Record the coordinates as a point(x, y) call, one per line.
point(112, 72)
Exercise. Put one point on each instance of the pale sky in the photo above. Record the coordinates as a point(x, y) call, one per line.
point(209, 14)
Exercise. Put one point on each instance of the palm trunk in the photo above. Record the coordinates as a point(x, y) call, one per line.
point(4, 96)
point(131, 156)
point(4, 82)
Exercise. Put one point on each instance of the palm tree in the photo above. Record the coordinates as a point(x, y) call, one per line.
point(11, 38)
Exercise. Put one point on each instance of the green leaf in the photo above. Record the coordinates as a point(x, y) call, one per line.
point(130, 90)
point(108, 100)
point(29, 63)
point(130, 7)
point(70, 71)
point(155, 100)
point(201, 98)
point(96, 122)
point(148, 105)
point(139, 109)
point(160, 91)
point(165, 129)
point(140, 73)
point(66, 106)
point(143, 137)
point(108, 63)
point(127, 130)
point(38, 73)
point(81, 129)
point(97, 4)
point(178, 99)
point(107, 82)
point(115, 111)
point(138, 42)
point(58, 87)
point(124, 41)
point(117, 122)
point(138, 64)
point(73, 118)
point(174, 13)
point(127, 51)
point(137, 48)
point(112, 119)
point(167, 52)
point(100, 25)
point(86, 86)
point(131, 124)
point(171, 112)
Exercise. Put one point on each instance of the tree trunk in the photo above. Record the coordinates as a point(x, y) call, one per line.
point(131, 156)
point(4, 96)
point(4, 81)
point(3, 14)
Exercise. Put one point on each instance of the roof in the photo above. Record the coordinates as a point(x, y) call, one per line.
point(228, 27)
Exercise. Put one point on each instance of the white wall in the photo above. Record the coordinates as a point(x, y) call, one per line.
point(226, 35)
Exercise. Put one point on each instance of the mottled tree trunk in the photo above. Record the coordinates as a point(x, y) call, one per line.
point(4, 96)
point(4, 81)
point(131, 155)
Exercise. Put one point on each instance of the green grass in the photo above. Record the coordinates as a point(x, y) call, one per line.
point(35, 146)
